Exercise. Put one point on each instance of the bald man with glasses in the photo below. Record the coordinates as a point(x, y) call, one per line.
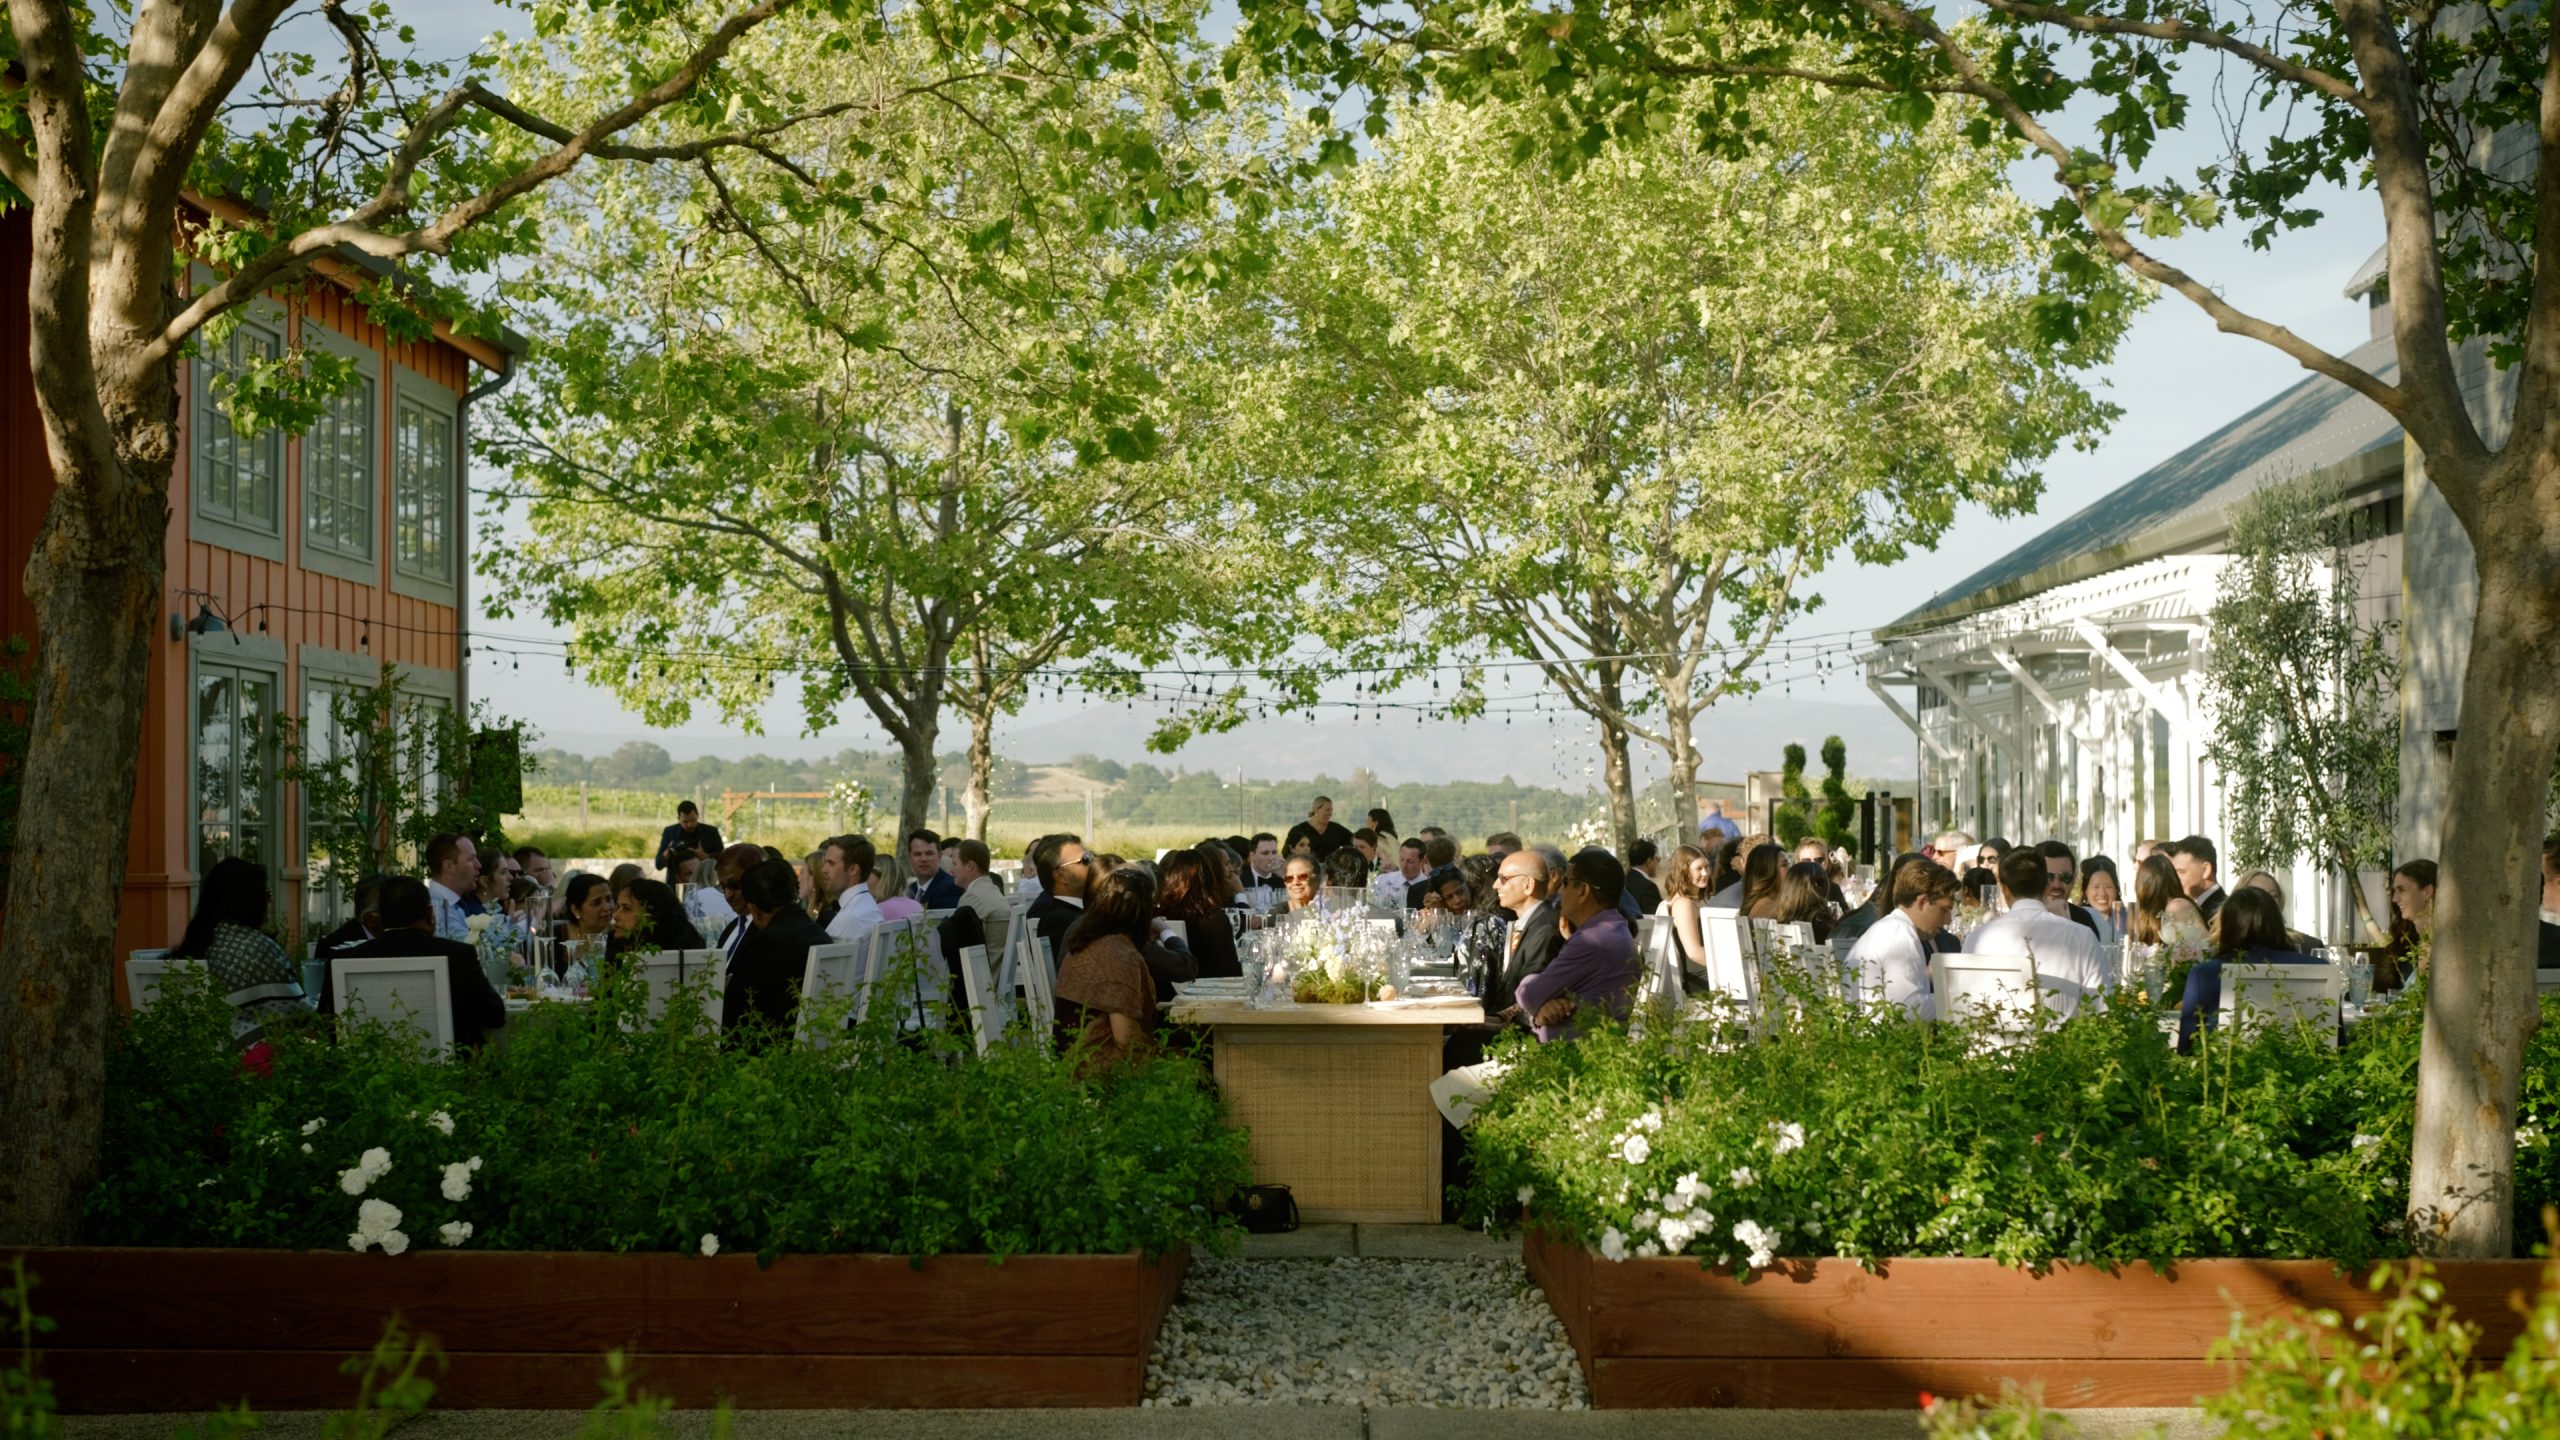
point(1525, 887)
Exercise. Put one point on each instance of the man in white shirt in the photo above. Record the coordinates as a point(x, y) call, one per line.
point(453, 866)
point(2068, 968)
point(1389, 888)
point(981, 895)
point(844, 883)
point(1890, 963)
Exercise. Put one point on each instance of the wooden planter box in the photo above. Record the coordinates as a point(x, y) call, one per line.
point(1826, 1335)
point(141, 1329)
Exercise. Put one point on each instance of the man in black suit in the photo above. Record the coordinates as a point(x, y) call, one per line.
point(409, 930)
point(1066, 873)
point(366, 925)
point(1524, 886)
point(931, 888)
point(2197, 865)
point(2061, 870)
point(764, 981)
point(686, 841)
point(1643, 859)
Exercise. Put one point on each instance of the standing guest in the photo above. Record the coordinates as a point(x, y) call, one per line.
point(1389, 888)
point(650, 918)
point(2062, 871)
point(2265, 882)
point(1890, 963)
point(1382, 824)
point(980, 894)
point(2063, 955)
point(1501, 843)
point(1106, 998)
point(1319, 832)
point(1594, 969)
point(1192, 889)
point(366, 924)
point(228, 933)
point(452, 866)
point(1712, 823)
point(686, 840)
point(2250, 932)
point(2194, 860)
point(1524, 886)
point(1683, 888)
point(1644, 871)
point(847, 910)
point(2550, 956)
point(2413, 919)
point(1762, 873)
point(535, 865)
point(1065, 872)
point(761, 1001)
point(930, 888)
point(1987, 855)
point(2162, 913)
point(2102, 895)
point(1298, 878)
point(408, 932)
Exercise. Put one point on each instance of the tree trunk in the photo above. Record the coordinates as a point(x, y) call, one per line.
point(1615, 768)
point(95, 582)
point(982, 766)
point(1677, 716)
point(2481, 1005)
point(2371, 928)
point(917, 775)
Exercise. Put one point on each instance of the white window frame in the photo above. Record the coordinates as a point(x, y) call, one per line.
point(255, 654)
point(410, 387)
point(361, 564)
point(206, 426)
point(326, 673)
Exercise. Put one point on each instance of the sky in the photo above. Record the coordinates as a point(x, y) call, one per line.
point(2175, 378)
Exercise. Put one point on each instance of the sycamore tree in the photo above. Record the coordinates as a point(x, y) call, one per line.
point(140, 138)
point(1615, 421)
point(2447, 116)
point(906, 453)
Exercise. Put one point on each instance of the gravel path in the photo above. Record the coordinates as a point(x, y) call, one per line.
point(1471, 1333)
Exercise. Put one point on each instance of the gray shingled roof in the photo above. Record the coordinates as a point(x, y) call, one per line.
point(2314, 425)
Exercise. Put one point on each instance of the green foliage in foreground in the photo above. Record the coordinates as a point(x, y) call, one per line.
point(2091, 1143)
point(611, 1132)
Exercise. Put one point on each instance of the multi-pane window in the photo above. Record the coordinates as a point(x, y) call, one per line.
point(422, 486)
point(338, 469)
point(235, 713)
point(239, 480)
point(333, 839)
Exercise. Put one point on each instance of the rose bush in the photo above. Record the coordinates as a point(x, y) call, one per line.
point(597, 1128)
point(1842, 1133)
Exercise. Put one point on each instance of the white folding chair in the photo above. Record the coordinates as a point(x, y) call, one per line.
point(2256, 996)
point(903, 951)
point(2546, 982)
point(670, 970)
point(832, 973)
point(412, 991)
point(981, 991)
point(142, 972)
point(1039, 987)
point(2001, 985)
point(1659, 955)
point(1732, 960)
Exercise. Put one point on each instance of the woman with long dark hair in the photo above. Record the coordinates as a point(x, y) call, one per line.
point(650, 918)
point(1762, 874)
point(228, 933)
point(2413, 919)
point(2250, 930)
point(1382, 825)
point(1684, 888)
point(1106, 999)
point(1804, 896)
point(1192, 888)
point(2102, 894)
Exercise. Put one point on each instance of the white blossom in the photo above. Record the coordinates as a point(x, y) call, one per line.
point(1688, 1185)
point(377, 1223)
point(1790, 1137)
point(457, 1182)
point(2367, 1142)
point(454, 1232)
point(371, 1166)
point(1741, 1176)
point(1637, 1149)
point(394, 1243)
point(306, 1147)
point(442, 1122)
point(1648, 1251)
point(1528, 1193)
point(710, 1244)
point(1762, 1245)
point(1613, 1245)
point(313, 1128)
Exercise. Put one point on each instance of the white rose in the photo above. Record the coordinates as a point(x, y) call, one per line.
point(314, 1127)
point(394, 1243)
point(442, 1122)
point(354, 1181)
point(1790, 1137)
point(454, 1232)
point(1638, 1149)
point(376, 1162)
point(710, 1244)
point(377, 1217)
point(477, 923)
point(1613, 1246)
point(457, 1182)
point(1742, 1176)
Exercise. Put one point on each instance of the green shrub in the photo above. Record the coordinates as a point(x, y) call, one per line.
point(2092, 1143)
point(599, 1129)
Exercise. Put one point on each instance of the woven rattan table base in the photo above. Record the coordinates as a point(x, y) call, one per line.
point(1341, 1114)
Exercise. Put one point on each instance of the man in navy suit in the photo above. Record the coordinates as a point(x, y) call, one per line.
point(930, 888)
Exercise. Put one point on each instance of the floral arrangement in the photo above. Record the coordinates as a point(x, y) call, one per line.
point(1331, 958)
point(500, 943)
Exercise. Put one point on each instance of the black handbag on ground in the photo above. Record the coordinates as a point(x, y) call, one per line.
point(1265, 1209)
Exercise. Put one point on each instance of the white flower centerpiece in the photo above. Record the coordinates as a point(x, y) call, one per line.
point(1331, 958)
point(500, 944)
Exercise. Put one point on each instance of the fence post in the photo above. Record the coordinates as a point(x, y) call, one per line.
point(582, 805)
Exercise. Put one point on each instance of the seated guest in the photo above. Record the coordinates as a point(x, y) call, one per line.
point(1261, 878)
point(2250, 931)
point(534, 865)
point(888, 882)
point(1439, 853)
point(727, 871)
point(849, 911)
point(228, 934)
point(1298, 878)
point(2549, 958)
point(649, 918)
point(1389, 888)
point(1501, 843)
point(1443, 918)
point(1890, 963)
point(1878, 904)
point(1683, 886)
point(2068, 968)
point(2413, 920)
point(1106, 998)
point(1526, 887)
point(1762, 873)
point(1193, 889)
point(2162, 914)
point(2266, 882)
point(1644, 869)
point(1804, 897)
point(1065, 873)
point(981, 895)
point(366, 925)
point(2062, 871)
point(623, 874)
point(928, 886)
point(1345, 870)
point(586, 909)
point(1977, 880)
point(762, 1000)
point(2102, 895)
point(1594, 969)
point(409, 930)
point(1727, 857)
point(1365, 841)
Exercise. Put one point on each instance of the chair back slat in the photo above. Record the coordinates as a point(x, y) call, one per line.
point(833, 972)
point(411, 991)
point(142, 972)
point(2257, 996)
point(1963, 984)
point(1732, 956)
point(980, 987)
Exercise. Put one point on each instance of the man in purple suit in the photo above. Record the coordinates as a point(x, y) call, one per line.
point(1597, 966)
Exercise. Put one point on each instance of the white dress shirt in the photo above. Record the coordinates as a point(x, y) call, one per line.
point(1891, 962)
point(857, 915)
point(1388, 889)
point(451, 923)
point(2066, 958)
point(708, 909)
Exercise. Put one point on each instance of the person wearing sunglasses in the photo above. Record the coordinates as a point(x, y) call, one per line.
point(1298, 880)
point(1066, 873)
